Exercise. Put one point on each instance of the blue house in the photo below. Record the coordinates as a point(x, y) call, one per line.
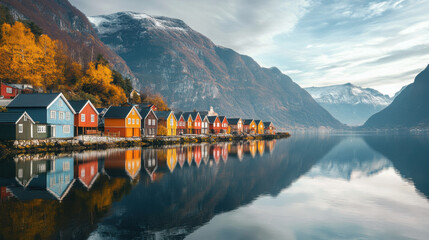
point(51, 109)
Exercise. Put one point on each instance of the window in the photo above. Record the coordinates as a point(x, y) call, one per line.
point(8, 90)
point(66, 129)
point(217, 124)
point(171, 122)
point(61, 115)
point(153, 122)
point(53, 115)
point(25, 118)
point(60, 103)
point(92, 118)
point(67, 116)
point(20, 128)
point(66, 166)
point(92, 171)
point(82, 172)
point(129, 120)
point(41, 168)
point(134, 121)
point(137, 121)
point(82, 117)
point(41, 129)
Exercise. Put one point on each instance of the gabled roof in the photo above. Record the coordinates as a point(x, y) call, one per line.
point(268, 123)
point(212, 119)
point(164, 114)
point(178, 115)
point(203, 112)
point(221, 118)
point(100, 110)
point(192, 114)
point(247, 121)
point(13, 117)
point(233, 121)
point(144, 112)
point(79, 105)
point(119, 112)
point(37, 100)
point(203, 116)
point(258, 121)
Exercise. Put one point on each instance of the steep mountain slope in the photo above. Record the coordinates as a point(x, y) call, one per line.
point(410, 109)
point(350, 104)
point(60, 20)
point(193, 73)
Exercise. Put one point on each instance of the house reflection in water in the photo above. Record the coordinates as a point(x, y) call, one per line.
point(251, 147)
point(150, 161)
point(224, 152)
point(87, 172)
point(261, 147)
point(205, 153)
point(197, 155)
point(189, 155)
point(169, 157)
point(181, 156)
point(123, 163)
point(237, 150)
point(270, 145)
point(216, 152)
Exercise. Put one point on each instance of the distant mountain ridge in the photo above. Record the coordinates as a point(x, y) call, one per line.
point(350, 104)
point(191, 72)
point(62, 21)
point(410, 109)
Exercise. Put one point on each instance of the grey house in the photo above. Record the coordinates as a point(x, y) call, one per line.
point(20, 126)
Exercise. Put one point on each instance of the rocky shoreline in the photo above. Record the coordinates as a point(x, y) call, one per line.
point(101, 142)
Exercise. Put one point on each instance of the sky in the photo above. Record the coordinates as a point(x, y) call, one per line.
point(377, 44)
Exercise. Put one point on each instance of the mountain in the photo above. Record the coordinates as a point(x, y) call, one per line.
point(410, 109)
point(62, 21)
point(350, 104)
point(191, 72)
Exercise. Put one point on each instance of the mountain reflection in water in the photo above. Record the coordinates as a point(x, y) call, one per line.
point(199, 191)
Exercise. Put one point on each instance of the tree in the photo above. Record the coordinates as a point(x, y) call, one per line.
point(158, 101)
point(50, 73)
point(162, 131)
point(135, 97)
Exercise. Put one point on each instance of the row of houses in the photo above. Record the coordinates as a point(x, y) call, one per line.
point(51, 115)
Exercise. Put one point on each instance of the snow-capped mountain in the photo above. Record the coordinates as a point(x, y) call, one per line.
point(192, 72)
point(349, 103)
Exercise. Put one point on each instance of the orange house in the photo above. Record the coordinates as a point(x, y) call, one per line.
point(249, 126)
point(86, 117)
point(122, 122)
point(120, 163)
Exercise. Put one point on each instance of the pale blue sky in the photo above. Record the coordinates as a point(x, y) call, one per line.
point(378, 44)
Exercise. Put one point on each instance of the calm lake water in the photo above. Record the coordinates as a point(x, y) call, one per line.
point(303, 187)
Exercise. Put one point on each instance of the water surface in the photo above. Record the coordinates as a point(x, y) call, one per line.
point(303, 187)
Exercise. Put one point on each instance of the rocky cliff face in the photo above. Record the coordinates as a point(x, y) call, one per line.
point(191, 72)
point(350, 104)
point(61, 21)
point(410, 109)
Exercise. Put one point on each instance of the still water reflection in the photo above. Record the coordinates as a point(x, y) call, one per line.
point(304, 187)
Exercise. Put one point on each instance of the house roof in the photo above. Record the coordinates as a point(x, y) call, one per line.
point(145, 111)
point(233, 121)
point(203, 116)
point(79, 105)
point(37, 100)
point(119, 112)
point(5, 102)
point(258, 121)
point(192, 114)
point(267, 123)
point(221, 118)
point(99, 110)
point(163, 114)
point(13, 117)
point(247, 121)
point(178, 115)
point(212, 119)
point(203, 112)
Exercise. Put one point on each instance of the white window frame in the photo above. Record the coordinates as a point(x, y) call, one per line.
point(61, 115)
point(53, 114)
point(171, 122)
point(9, 90)
point(82, 172)
point(134, 121)
point(137, 121)
point(92, 118)
point(66, 128)
point(25, 118)
point(129, 120)
point(67, 116)
point(41, 129)
point(82, 117)
point(20, 128)
point(66, 166)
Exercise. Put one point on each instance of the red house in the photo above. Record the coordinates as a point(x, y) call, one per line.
point(8, 91)
point(214, 124)
point(181, 124)
point(86, 117)
point(223, 124)
point(194, 122)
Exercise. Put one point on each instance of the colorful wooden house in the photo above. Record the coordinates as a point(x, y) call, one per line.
point(214, 124)
point(85, 118)
point(194, 122)
point(122, 122)
point(223, 124)
point(167, 120)
point(249, 126)
point(269, 128)
point(19, 126)
point(204, 123)
point(51, 109)
point(260, 128)
point(149, 122)
point(235, 125)
point(8, 91)
point(181, 124)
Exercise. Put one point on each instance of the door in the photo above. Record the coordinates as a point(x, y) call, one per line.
point(53, 131)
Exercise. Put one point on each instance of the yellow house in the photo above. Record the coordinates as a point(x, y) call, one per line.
point(249, 126)
point(167, 120)
point(260, 127)
point(122, 122)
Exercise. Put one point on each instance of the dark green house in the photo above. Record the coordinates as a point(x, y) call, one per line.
point(20, 126)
